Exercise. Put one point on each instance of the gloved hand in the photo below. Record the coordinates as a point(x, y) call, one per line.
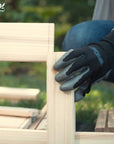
point(80, 68)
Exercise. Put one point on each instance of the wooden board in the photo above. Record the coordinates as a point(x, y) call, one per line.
point(16, 136)
point(61, 110)
point(26, 124)
point(39, 119)
point(17, 94)
point(19, 112)
point(14, 122)
point(42, 125)
point(101, 121)
point(111, 120)
point(94, 138)
point(26, 41)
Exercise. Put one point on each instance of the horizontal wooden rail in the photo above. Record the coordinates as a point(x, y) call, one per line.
point(26, 41)
point(15, 122)
point(18, 111)
point(17, 94)
point(15, 117)
point(16, 136)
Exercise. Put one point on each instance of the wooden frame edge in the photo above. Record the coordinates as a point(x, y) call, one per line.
point(16, 136)
point(61, 107)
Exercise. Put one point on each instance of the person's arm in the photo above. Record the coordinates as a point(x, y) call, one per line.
point(79, 69)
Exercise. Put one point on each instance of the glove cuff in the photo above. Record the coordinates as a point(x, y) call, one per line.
point(107, 45)
point(110, 38)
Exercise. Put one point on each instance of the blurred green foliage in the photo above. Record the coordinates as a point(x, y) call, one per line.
point(100, 97)
point(64, 14)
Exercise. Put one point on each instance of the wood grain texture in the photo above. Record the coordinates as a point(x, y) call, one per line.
point(101, 121)
point(111, 120)
point(17, 136)
point(14, 122)
point(18, 112)
point(17, 94)
point(61, 111)
point(94, 138)
point(26, 41)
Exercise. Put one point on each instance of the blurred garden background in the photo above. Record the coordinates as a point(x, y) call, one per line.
point(64, 14)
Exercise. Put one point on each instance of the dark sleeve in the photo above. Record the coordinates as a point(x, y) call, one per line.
point(110, 38)
point(107, 44)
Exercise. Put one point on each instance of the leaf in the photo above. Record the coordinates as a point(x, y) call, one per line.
point(2, 6)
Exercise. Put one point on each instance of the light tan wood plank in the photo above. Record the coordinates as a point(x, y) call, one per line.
point(26, 124)
point(17, 111)
point(40, 117)
point(51, 32)
point(101, 121)
point(94, 138)
point(61, 115)
point(17, 136)
point(25, 41)
point(17, 94)
point(14, 122)
point(111, 120)
point(42, 125)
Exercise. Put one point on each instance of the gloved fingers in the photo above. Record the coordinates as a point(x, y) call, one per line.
point(75, 81)
point(82, 90)
point(79, 62)
point(75, 68)
point(62, 75)
point(66, 59)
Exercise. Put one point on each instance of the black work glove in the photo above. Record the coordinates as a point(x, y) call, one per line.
point(80, 68)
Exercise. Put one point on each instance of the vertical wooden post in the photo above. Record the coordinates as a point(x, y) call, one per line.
point(61, 110)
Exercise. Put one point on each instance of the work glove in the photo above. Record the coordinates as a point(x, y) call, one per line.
point(80, 68)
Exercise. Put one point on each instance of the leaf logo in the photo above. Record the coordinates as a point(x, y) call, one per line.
point(2, 9)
